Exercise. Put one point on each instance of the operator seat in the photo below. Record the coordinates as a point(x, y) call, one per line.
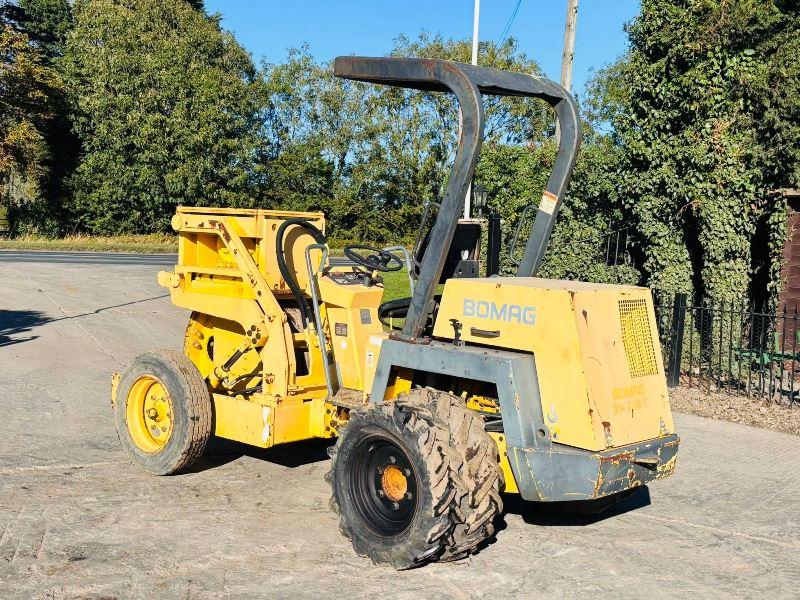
point(462, 261)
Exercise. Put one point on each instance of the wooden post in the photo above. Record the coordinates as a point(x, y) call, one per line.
point(569, 44)
point(569, 52)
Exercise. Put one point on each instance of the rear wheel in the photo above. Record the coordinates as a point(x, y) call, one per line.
point(163, 412)
point(416, 480)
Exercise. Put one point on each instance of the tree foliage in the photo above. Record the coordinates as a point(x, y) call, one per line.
point(27, 89)
point(370, 155)
point(705, 112)
point(47, 23)
point(687, 139)
point(167, 108)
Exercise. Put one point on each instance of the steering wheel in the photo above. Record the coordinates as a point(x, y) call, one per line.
point(377, 260)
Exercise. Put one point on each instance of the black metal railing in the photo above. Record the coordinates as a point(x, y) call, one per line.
point(617, 244)
point(614, 243)
point(727, 347)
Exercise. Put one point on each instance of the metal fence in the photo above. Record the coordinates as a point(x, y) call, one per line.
point(617, 246)
point(732, 348)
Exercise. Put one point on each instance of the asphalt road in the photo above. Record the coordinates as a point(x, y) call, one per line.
point(77, 520)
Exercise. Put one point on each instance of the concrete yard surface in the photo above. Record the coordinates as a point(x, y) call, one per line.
point(78, 520)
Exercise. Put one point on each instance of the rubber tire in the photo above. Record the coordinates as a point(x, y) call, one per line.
point(458, 475)
point(191, 407)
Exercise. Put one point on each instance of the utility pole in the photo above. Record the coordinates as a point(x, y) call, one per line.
point(569, 52)
point(569, 44)
point(475, 22)
point(476, 19)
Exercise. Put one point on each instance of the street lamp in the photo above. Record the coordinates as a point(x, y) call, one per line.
point(479, 199)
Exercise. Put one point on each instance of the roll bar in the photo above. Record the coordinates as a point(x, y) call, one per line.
point(468, 83)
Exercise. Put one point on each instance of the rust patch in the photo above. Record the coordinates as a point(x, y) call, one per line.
point(615, 459)
point(219, 225)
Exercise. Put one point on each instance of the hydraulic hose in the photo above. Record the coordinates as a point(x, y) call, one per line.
point(284, 268)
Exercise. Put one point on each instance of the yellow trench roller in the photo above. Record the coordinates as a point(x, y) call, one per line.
point(439, 402)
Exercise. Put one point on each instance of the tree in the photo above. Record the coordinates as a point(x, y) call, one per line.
point(27, 87)
point(705, 111)
point(167, 108)
point(372, 155)
point(47, 23)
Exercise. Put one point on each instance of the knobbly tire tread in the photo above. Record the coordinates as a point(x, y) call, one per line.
point(190, 398)
point(462, 476)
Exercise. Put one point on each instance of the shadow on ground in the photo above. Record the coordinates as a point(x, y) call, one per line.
point(556, 514)
point(564, 514)
point(220, 452)
point(573, 513)
point(15, 324)
point(18, 322)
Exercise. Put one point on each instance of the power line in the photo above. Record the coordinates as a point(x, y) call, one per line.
point(510, 22)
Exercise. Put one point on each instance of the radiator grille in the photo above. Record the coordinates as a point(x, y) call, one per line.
point(636, 338)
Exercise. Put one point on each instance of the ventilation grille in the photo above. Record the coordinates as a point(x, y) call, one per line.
point(637, 338)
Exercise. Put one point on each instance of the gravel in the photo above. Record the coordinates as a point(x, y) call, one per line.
point(737, 409)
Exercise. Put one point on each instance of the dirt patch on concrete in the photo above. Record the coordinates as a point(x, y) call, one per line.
point(737, 409)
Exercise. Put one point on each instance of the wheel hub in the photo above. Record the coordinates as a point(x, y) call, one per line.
point(149, 414)
point(383, 485)
point(394, 483)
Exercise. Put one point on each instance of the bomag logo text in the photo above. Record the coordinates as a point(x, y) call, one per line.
point(511, 313)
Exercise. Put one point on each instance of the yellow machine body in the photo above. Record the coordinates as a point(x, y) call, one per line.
point(598, 362)
point(598, 359)
point(553, 390)
point(227, 275)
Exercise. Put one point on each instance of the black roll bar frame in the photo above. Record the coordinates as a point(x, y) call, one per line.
point(468, 83)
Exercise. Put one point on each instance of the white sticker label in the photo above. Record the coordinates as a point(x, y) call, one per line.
point(370, 358)
point(265, 431)
point(344, 344)
point(376, 340)
point(548, 203)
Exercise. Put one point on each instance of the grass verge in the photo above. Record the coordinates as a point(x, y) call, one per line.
point(144, 244)
point(155, 243)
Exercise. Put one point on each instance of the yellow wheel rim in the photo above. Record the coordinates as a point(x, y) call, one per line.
point(149, 414)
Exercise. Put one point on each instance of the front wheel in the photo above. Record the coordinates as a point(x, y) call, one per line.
point(163, 412)
point(416, 480)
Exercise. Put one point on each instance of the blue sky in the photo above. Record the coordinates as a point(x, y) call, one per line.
point(268, 27)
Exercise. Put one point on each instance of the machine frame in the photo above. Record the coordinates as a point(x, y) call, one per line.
point(464, 403)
